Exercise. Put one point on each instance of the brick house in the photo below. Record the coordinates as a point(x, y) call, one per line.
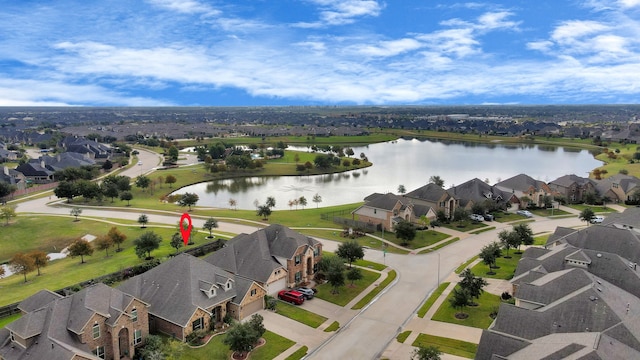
point(386, 210)
point(275, 257)
point(188, 294)
point(523, 185)
point(573, 187)
point(435, 197)
point(98, 322)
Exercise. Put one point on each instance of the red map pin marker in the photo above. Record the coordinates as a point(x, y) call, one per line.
point(186, 232)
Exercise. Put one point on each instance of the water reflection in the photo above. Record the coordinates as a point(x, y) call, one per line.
point(405, 162)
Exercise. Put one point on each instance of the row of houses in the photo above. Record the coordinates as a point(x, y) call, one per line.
point(385, 210)
point(176, 298)
point(577, 298)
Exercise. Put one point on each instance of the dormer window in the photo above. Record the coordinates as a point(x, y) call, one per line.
point(228, 285)
point(12, 337)
point(134, 315)
point(297, 259)
point(96, 331)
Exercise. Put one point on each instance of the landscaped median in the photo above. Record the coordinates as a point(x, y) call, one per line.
point(299, 314)
point(217, 350)
point(446, 345)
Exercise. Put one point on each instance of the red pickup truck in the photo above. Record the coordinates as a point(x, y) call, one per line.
point(291, 296)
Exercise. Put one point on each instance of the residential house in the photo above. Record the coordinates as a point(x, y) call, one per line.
point(523, 185)
point(98, 322)
point(275, 257)
point(386, 210)
point(91, 148)
point(434, 196)
point(619, 188)
point(188, 294)
point(573, 187)
point(6, 155)
point(36, 172)
point(65, 160)
point(476, 191)
point(13, 177)
point(575, 299)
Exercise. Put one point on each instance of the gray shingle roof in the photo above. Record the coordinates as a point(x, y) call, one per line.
point(567, 180)
point(38, 300)
point(477, 191)
point(492, 343)
point(629, 218)
point(520, 182)
point(429, 192)
point(173, 288)
point(554, 286)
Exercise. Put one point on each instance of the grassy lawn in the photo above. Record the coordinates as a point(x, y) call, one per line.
point(403, 336)
point(423, 238)
point(595, 208)
point(370, 264)
point(364, 241)
point(5, 320)
point(506, 267)
point(465, 225)
point(506, 217)
point(478, 315)
point(298, 354)
point(367, 298)
point(549, 212)
point(432, 299)
point(464, 265)
point(439, 246)
point(14, 289)
point(347, 292)
point(299, 314)
point(333, 327)
point(448, 346)
point(216, 350)
point(483, 230)
point(540, 240)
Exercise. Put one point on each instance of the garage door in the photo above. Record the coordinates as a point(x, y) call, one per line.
point(276, 286)
point(252, 307)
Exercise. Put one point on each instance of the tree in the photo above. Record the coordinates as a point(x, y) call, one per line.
point(143, 182)
point(110, 190)
point(188, 199)
point(332, 267)
point(126, 195)
point(405, 231)
point(233, 204)
point(435, 179)
point(103, 242)
point(508, 239)
point(210, 224)
point(170, 179)
point(590, 198)
point(525, 201)
point(153, 348)
point(146, 243)
point(143, 219)
point(402, 189)
point(6, 189)
point(241, 337)
point(271, 202)
point(350, 251)
point(256, 324)
point(429, 352)
point(317, 199)
point(460, 214)
point(587, 215)
point(488, 256)
point(176, 241)
point(354, 274)
point(7, 212)
point(116, 237)
point(474, 285)
point(40, 259)
point(173, 153)
point(524, 234)
point(22, 264)
point(459, 300)
point(264, 211)
point(66, 189)
point(302, 201)
point(76, 211)
point(80, 248)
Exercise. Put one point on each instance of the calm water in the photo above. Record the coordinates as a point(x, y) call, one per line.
point(406, 162)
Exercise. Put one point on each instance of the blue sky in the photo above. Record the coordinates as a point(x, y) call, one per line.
point(318, 52)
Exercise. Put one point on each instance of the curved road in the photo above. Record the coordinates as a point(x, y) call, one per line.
point(368, 334)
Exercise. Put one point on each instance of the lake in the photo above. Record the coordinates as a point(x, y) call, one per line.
point(402, 162)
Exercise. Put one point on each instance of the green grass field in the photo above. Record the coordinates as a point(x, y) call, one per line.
point(347, 292)
point(299, 314)
point(216, 350)
point(506, 267)
point(448, 346)
point(432, 299)
point(478, 315)
point(371, 294)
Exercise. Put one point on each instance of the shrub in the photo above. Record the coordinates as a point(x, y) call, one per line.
point(505, 296)
point(195, 338)
point(270, 302)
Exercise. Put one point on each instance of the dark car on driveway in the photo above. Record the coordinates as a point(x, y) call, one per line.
point(291, 296)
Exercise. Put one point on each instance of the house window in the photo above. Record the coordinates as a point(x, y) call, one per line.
point(615, 185)
point(442, 204)
point(12, 338)
point(254, 292)
point(228, 284)
point(297, 259)
point(99, 352)
point(316, 251)
point(134, 315)
point(137, 337)
point(96, 331)
point(315, 268)
point(298, 276)
point(198, 324)
point(375, 211)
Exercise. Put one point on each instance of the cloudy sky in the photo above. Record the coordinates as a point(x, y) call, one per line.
point(317, 52)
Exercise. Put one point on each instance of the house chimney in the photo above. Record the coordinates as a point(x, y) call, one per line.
point(5, 170)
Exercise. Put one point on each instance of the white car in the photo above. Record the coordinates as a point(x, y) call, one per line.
point(525, 213)
point(476, 217)
point(597, 219)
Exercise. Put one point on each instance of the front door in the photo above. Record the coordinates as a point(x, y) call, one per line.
point(123, 344)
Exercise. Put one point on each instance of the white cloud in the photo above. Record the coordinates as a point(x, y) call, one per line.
point(340, 12)
point(185, 6)
point(389, 48)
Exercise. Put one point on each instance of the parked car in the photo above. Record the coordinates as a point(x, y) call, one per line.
point(476, 217)
point(308, 293)
point(525, 213)
point(488, 217)
point(597, 219)
point(291, 296)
